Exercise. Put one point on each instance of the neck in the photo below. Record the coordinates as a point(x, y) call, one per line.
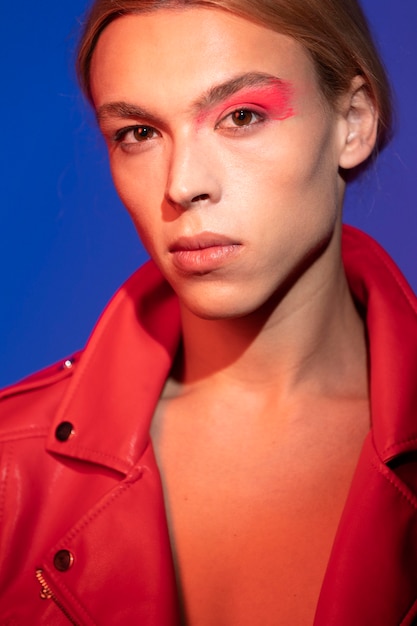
point(311, 340)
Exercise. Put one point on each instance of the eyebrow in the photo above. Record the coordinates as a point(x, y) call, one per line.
point(124, 110)
point(221, 92)
point(214, 95)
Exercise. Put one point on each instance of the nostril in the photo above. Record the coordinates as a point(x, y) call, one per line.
point(203, 196)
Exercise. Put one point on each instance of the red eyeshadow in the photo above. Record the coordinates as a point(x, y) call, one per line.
point(274, 98)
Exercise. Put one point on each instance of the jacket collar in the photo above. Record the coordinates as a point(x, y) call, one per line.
point(390, 310)
point(113, 392)
point(112, 395)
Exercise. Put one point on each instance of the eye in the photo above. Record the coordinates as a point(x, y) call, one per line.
point(243, 117)
point(135, 134)
point(240, 118)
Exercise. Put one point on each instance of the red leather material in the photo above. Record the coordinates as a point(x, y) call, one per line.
point(94, 491)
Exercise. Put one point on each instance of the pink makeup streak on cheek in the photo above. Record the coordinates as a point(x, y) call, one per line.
point(274, 99)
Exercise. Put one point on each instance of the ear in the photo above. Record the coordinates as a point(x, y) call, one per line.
point(360, 125)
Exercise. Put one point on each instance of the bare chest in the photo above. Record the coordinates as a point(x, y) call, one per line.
point(252, 518)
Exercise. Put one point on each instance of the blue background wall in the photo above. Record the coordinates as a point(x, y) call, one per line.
point(65, 241)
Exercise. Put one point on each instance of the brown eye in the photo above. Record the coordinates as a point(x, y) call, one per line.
point(141, 133)
point(242, 117)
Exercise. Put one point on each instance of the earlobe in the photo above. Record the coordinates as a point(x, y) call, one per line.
point(361, 125)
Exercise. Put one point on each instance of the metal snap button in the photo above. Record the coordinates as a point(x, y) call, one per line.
point(64, 431)
point(63, 560)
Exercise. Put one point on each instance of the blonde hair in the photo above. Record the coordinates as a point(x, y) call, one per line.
point(335, 33)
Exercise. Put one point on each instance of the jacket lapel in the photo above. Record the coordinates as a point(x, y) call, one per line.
point(118, 381)
point(371, 579)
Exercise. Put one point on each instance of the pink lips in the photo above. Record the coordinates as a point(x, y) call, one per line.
point(203, 253)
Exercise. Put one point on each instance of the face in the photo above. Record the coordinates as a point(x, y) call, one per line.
point(223, 151)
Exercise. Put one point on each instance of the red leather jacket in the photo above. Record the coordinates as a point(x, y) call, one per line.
point(83, 536)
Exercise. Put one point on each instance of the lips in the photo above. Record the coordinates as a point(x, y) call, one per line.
point(201, 241)
point(203, 253)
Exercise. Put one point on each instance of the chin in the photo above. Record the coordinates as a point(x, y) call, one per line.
point(220, 305)
point(216, 314)
point(232, 296)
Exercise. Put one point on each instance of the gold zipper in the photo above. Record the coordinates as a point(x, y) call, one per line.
point(47, 594)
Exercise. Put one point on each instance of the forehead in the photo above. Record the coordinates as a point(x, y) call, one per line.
point(184, 52)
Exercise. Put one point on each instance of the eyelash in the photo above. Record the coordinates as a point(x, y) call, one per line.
point(256, 118)
point(121, 134)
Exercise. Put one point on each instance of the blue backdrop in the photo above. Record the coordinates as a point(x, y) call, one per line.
point(66, 242)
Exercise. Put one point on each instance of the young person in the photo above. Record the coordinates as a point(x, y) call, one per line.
point(237, 442)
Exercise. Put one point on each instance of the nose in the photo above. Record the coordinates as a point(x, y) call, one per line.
point(194, 175)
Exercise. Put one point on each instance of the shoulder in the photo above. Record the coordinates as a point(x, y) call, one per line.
point(28, 407)
point(141, 309)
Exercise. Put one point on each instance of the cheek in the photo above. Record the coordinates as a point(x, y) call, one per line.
point(295, 196)
point(137, 184)
point(303, 169)
point(141, 199)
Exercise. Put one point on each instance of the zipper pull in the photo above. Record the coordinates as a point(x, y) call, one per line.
point(46, 593)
